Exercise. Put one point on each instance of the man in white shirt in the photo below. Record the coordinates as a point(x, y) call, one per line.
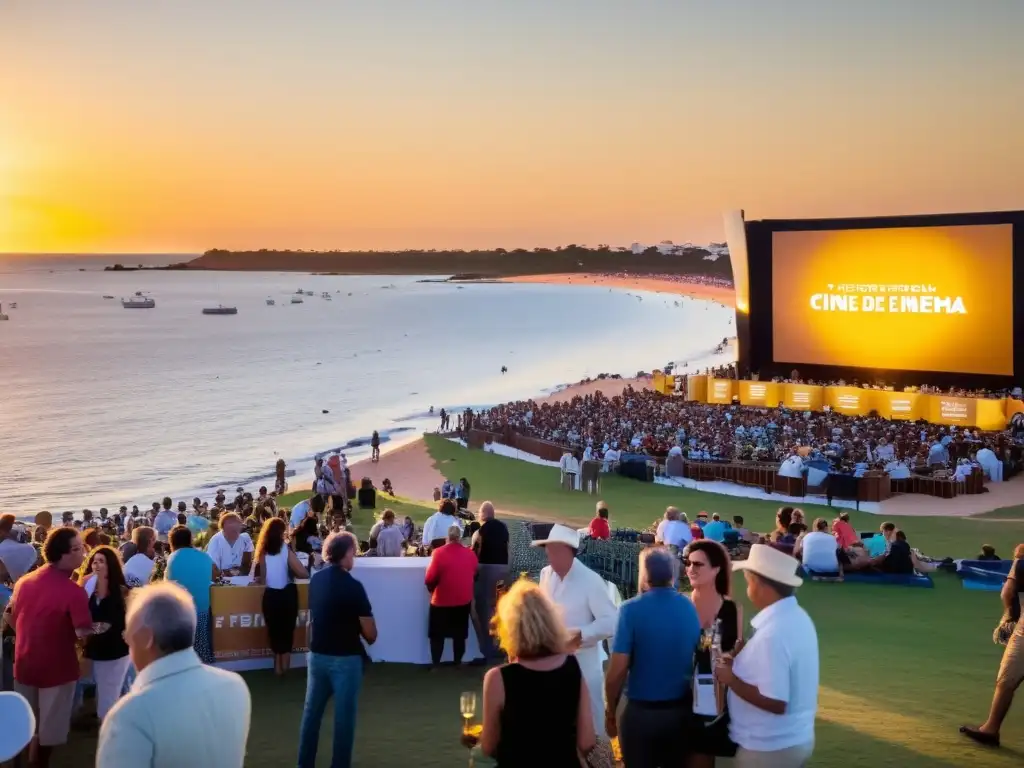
point(818, 549)
point(299, 512)
point(673, 530)
point(587, 609)
point(139, 567)
point(437, 524)
point(231, 549)
point(773, 680)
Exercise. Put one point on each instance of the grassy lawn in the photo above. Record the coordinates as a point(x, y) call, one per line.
point(1005, 513)
point(901, 668)
point(524, 487)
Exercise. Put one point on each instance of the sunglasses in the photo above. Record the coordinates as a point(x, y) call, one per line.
point(695, 564)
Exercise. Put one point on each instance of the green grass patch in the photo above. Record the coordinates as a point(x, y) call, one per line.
point(1004, 513)
point(524, 487)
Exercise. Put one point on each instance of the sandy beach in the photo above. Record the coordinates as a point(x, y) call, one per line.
point(652, 283)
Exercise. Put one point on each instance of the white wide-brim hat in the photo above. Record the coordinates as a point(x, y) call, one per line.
point(19, 725)
point(772, 564)
point(559, 534)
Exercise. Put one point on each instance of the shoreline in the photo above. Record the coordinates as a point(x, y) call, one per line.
point(649, 283)
point(417, 484)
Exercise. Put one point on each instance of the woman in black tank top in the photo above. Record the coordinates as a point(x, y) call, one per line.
point(536, 708)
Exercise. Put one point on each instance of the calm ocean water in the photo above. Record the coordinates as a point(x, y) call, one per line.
point(104, 406)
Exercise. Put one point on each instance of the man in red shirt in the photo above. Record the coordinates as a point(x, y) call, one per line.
point(450, 577)
point(50, 612)
point(599, 527)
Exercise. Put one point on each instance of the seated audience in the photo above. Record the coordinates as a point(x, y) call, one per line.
point(818, 549)
point(715, 530)
point(600, 528)
point(673, 531)
point(846, 537)
point(988, 552)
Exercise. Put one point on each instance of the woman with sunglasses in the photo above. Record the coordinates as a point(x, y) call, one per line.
point(709, 572)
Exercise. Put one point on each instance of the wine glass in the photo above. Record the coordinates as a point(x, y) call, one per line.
point(467, 706)
point(470, 731)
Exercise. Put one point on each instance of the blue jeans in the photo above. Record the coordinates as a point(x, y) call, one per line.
point(327, 676)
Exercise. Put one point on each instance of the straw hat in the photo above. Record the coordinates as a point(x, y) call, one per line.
point(772, 564)
point(560, 534)
point(19, 725)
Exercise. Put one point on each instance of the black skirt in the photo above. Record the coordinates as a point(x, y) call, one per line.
point(448, 622)
point(280, 612)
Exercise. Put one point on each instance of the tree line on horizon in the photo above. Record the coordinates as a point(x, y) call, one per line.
point(497, 262)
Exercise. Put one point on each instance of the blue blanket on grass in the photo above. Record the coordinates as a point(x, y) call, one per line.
point(983, 575)
point(872, 577)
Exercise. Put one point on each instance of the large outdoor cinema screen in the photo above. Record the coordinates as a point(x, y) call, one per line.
point(928, 298)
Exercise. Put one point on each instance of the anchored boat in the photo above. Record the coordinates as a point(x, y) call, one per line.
point(222, 310)
point(138, 301)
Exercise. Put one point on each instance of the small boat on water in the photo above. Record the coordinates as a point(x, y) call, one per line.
point(326, 295)
point(138, 301)
point(300, 292)
point(14, 305)
point(309, 293)
point(270, 302)
point(221, 310)
point(108, 297)
point(296, 299)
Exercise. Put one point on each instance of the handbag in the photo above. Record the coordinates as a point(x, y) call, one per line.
point(1004, 631)
point(600, 755)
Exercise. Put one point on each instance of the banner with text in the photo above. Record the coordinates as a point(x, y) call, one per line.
point(238, 629)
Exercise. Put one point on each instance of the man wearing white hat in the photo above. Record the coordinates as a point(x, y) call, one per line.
point(587, 609)
point(773, 680)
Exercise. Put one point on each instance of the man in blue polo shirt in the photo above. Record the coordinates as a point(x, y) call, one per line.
point(653, 647)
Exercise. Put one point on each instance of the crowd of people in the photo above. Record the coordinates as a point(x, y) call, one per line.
point(681, 686)
point(648, 423)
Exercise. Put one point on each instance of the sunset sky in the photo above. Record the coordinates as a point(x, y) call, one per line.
point(182, 125)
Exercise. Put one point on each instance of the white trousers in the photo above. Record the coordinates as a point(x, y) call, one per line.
point(592, 667)
point(109, 676)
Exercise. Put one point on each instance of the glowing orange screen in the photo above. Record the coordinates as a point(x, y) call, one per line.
point(914, 298)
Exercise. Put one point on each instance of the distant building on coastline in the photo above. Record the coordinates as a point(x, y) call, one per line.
point(711, 252)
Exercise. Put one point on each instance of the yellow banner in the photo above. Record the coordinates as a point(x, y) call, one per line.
point(697, 388)
point(849, 401)
point(985, 414)
point(764, 394)
point(909, 406)
point(721, 390)
point(952, 411)
point(238, 628)
point(802, 397)
point(992, 415)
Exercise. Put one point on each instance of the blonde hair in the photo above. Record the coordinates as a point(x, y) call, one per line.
point(527, 624)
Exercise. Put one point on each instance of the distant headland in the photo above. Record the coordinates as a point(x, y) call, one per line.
point(481, 264)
